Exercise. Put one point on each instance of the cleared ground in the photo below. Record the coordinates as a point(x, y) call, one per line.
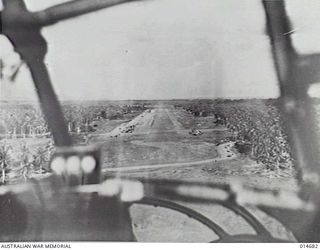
point(157, 144)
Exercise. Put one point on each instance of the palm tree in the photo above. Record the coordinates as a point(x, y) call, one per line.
point(5, 160)
point(25, 160)
point(40, 158)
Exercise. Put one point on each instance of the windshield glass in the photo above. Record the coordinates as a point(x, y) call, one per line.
point(170, 89)
point(191, 95)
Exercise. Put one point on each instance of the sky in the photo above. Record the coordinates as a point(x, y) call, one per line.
point(163, 49)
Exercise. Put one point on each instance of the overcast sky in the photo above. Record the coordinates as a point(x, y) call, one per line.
point(163, 49)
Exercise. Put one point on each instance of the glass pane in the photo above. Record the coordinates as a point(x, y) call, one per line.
point(148, 86)
point(304, 17)
point(170, 89)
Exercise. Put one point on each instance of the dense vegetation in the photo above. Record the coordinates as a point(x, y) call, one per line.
point(22, 121)
point(21, 162)
point(256, 125)
point(26, 120)
point(258, 130)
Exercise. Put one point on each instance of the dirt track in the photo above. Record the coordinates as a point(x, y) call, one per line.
point(224, 154)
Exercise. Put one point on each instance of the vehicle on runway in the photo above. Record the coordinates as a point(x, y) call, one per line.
point(195, 132)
